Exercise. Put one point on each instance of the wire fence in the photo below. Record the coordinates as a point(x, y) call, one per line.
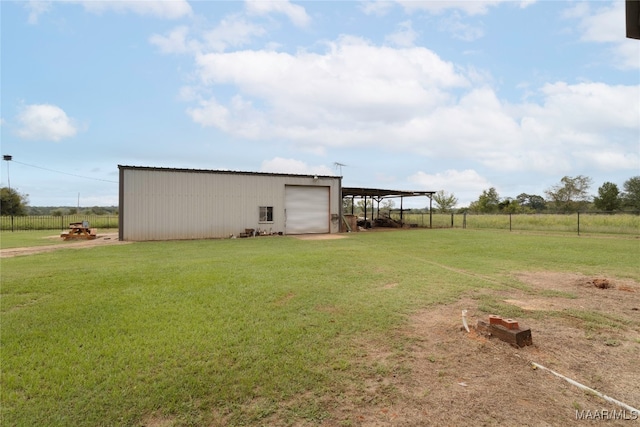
point(627, 223)
point(581, 223)
point(55, 222)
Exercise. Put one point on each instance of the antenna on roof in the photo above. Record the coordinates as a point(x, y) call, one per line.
point(339, 166)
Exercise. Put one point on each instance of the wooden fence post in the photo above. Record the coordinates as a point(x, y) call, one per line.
point(578, 223)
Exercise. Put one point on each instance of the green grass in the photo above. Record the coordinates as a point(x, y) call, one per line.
point(239, 330)
point(590, 223)
point(20, 239)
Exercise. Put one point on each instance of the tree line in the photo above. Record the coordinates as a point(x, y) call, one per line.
point(15, 203)
point(571, 194)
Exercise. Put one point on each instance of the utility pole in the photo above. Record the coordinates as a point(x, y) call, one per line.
point(8, 158)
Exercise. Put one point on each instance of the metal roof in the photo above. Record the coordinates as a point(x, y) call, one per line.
point(381, 193)
point(223, 171)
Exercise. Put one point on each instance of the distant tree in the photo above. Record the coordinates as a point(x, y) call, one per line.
point(360, 206)
point(386, 206)
point(73, 211)
point(608, 198)
point(98, 210)
point(532, 202)
point(487, 202)
point(347, 203)
point(509, 205)
point(445, 202)
point(571, 194)
point(631, 196)
point(12, 202)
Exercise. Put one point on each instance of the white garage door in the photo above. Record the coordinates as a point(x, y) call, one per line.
point(306, 209)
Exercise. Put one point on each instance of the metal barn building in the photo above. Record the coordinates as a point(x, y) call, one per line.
point(171, 204)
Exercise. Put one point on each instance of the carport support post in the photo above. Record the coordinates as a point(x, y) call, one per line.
point(431, 212)
point(372, 209)
point(365, 211)
point(401, 198)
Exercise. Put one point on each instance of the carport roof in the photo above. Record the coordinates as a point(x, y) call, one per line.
point(380, 193)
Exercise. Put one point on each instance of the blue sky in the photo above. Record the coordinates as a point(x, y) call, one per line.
point(408, 95)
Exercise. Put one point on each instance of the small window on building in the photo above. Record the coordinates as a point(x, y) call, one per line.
point(266, 213)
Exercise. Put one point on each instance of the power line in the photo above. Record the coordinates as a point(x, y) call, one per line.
point(64, 173)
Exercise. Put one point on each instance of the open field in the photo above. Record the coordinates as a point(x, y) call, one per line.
point(361, 330)
point(585, 222)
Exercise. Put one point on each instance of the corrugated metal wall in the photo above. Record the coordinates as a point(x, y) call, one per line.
point(166, 204)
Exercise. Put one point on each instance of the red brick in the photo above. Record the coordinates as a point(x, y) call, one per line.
point(510, 324)
point(495, 319)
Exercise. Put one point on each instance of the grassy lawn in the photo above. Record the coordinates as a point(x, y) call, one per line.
point(20, 239)
point(238, 330)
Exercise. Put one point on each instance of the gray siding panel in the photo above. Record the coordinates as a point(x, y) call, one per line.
point(166, 204)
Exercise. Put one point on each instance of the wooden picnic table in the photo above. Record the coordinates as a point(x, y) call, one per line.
point(79, 230)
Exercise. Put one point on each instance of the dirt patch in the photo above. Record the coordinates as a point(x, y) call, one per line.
point(157, 421)
point(438, 374)
point(101, 239)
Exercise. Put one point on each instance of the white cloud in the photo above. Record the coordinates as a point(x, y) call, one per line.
point(36, 8)
point(591, 107)
point(476, 7)
point(352, 86)
point(466, 185)
point(405, 36)
point(233, 31)
point(296, 14)
point(455, 25)
point(605, 24)
point(175, 42)
point(45, 122)
point(608, 160)
point(292, 166)
point(238, 118)
point(626, 54)
point(165, 9)
point(376, 7)
point(355, 94)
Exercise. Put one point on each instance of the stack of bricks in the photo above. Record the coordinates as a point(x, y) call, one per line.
point(507, 323)
point(507, 330)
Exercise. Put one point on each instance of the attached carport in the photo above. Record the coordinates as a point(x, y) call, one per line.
point(378, 195)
